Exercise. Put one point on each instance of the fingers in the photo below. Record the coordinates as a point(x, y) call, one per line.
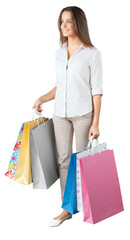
point(94, 136)
point(38, 106)
point(39, 110)
point(90, 134)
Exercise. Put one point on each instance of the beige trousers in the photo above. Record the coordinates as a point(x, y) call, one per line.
point(64, 127)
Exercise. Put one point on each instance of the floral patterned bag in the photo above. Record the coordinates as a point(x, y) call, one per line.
point(14, 157)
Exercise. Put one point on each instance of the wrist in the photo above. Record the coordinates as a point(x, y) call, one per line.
point(41, 99)
point(95, 124)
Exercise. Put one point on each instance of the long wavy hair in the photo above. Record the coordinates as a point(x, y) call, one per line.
point(80, 25)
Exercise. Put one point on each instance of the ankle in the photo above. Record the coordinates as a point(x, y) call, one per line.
point(65, 212)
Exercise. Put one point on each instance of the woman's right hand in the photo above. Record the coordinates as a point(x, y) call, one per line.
point(38, 105)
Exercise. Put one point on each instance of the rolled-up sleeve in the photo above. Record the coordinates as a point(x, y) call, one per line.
point(96, 73)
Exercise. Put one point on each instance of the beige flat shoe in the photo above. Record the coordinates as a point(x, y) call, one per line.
point(55, 222)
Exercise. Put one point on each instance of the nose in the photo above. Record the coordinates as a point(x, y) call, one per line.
point(64, 25)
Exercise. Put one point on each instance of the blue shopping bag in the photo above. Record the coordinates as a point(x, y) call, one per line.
point(70, 193)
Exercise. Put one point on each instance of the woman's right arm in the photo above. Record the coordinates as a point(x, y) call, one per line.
point(45, 98)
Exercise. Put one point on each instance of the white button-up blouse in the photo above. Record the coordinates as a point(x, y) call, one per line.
point(77, 80)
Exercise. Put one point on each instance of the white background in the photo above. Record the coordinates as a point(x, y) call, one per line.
point(29, 38)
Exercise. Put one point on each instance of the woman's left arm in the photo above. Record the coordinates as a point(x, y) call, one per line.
point(94, 130)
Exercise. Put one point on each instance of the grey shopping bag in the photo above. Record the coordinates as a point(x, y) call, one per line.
point(44, 156)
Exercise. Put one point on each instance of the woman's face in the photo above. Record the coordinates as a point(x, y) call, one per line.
point(67, 25)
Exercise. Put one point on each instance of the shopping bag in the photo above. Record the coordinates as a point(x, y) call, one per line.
point(92, 147)
point(23, 172)
point(101, 192)
point(70, 195)
point(44, 155)
point(14, 157)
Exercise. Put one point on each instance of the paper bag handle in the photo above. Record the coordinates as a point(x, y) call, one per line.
point(92, 143)
point(37, 115)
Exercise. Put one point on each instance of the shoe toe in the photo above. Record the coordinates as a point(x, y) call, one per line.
point(54, 222)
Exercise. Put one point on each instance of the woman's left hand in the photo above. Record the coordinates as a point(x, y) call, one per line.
point(94, 131)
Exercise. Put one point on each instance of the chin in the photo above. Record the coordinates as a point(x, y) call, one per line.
point(66, 35)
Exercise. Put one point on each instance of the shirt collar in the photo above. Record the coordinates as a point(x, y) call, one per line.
point(64, 45)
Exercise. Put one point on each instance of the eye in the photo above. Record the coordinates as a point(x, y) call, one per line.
point(67, 21)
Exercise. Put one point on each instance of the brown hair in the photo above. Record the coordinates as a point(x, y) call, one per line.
point(79, 23)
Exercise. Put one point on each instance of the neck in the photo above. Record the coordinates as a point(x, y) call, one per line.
point(73, 42)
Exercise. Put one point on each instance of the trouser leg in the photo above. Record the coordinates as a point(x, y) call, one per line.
point(81, 125)
point(63, 129)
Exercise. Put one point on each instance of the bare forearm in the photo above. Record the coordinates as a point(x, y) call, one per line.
point(48, 96)
point(96, 109)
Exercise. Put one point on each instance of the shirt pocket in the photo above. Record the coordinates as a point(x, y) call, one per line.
point(81, 66)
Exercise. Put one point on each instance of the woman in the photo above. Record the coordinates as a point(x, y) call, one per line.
point(77, 92)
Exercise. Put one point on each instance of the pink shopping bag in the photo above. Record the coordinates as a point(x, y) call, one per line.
point(101, 193)
point(93, 147)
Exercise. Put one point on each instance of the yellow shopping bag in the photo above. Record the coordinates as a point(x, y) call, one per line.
point(23, 173)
